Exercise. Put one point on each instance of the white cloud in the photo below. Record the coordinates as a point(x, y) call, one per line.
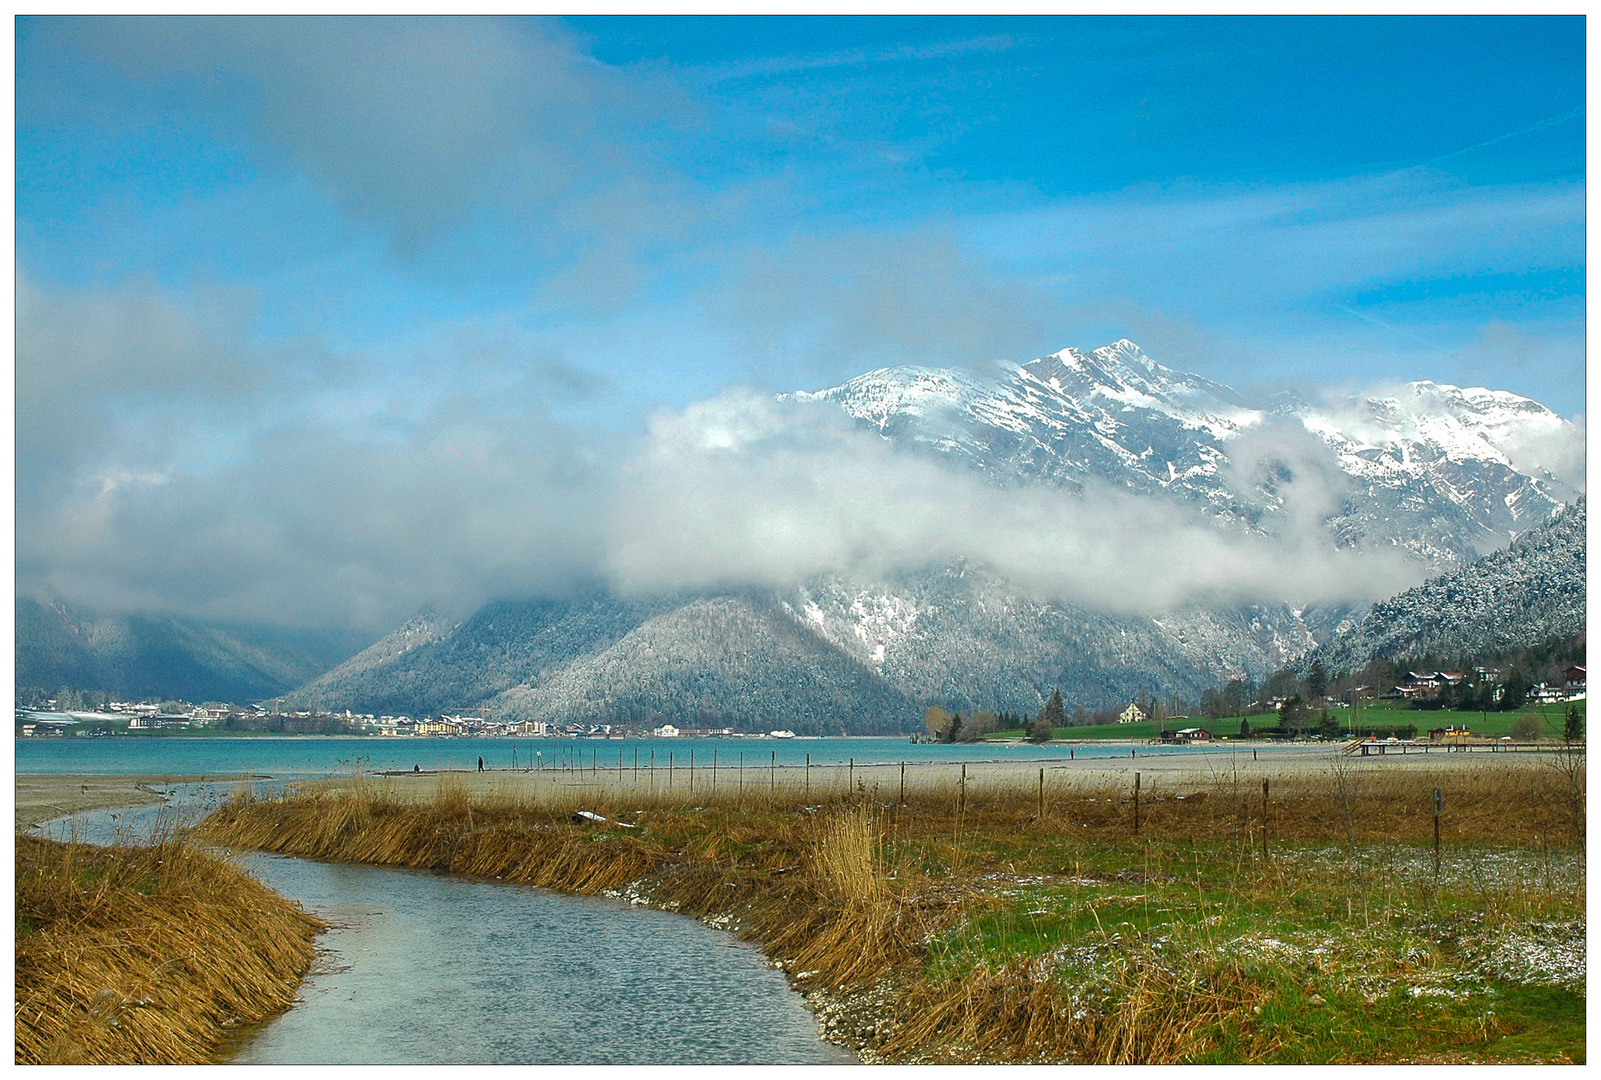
point(744, 489)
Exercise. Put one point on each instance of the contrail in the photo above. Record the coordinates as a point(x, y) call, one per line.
point(1389, 326)
point(1549, 121)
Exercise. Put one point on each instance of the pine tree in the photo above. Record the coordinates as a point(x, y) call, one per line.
point(1245, 728)
point(1515, 691)
point(1053, 713)
point(1317, 680)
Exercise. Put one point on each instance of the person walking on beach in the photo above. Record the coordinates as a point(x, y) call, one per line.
point(480, 764)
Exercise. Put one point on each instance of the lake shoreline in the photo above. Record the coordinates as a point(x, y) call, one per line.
point(42, 797)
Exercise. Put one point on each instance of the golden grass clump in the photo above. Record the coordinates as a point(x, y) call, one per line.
point(1021, 1016)
point(139, 955)
point(847, 858)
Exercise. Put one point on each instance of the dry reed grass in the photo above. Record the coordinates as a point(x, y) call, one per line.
point(848, 891)
point(1021, 1016)
point(146, 954)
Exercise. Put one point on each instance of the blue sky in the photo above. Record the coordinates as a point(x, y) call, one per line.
point(237, 228)
point(1425, 174)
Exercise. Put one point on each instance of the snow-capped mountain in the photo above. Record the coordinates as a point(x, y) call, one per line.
point(1443, 472)
point(1439, 472)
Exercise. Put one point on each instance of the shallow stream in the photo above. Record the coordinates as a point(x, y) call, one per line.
point(426, 968)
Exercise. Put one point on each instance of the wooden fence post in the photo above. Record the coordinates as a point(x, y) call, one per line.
point(1264, 818)
point(1439, 807)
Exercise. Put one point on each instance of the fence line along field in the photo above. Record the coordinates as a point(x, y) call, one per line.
point(1235, 914)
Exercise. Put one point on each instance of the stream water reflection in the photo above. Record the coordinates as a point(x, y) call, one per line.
point(426, 968)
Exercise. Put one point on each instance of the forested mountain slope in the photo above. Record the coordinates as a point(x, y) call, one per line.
point(1513, 599)
point(134, 656)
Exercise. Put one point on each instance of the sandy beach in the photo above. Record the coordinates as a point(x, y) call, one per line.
point(40, 798)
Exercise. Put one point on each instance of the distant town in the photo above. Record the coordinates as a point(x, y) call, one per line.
point(91, 714)
point(49, 718)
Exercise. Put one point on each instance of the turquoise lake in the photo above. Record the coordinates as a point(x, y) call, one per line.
point(290, 756)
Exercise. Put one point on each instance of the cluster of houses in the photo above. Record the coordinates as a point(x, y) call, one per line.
point(1425, 685)
point(137, 715)
point(147, 716)
point(478, 727)
point(1422, 685)
point(1570, 689)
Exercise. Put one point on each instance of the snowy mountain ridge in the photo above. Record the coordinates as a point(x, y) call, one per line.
point(1445, 472)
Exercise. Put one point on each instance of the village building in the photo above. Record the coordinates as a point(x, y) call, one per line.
point(1422, 685)
point(1131, 715)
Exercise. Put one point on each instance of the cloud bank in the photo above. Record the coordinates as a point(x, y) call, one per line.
point(747, 489)
point(225, 480)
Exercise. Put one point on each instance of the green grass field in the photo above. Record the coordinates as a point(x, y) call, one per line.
point(1373, 714)
point(1383, 714)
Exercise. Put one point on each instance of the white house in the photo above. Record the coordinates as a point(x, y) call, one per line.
point(1131, 715)
point(666, 731)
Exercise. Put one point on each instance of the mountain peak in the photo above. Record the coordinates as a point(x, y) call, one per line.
point(1442, 471)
